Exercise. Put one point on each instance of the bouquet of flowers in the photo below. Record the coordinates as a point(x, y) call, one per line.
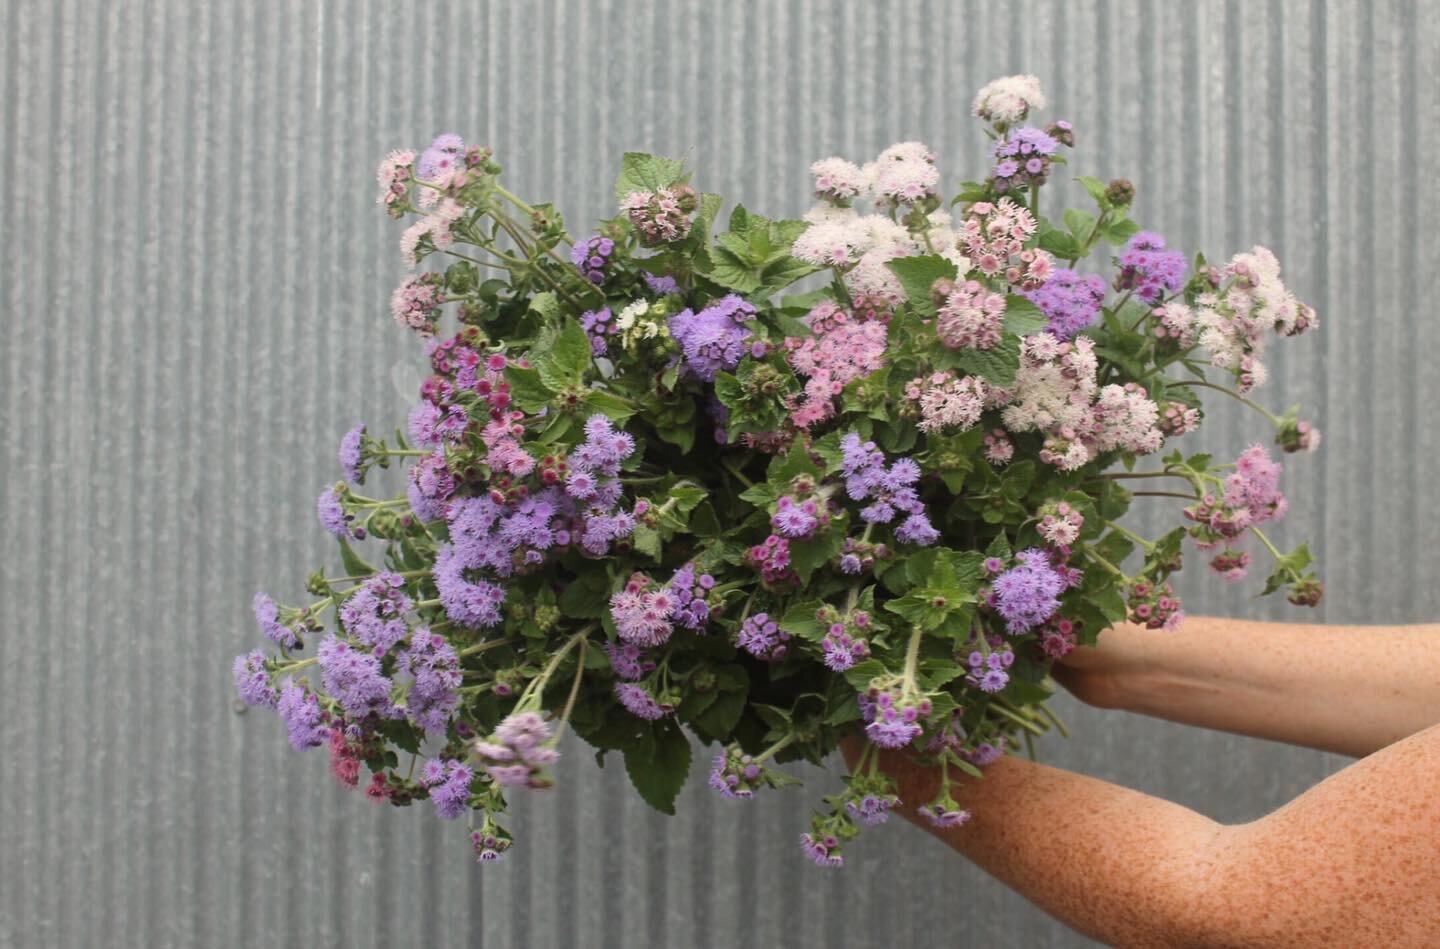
point(649, 498)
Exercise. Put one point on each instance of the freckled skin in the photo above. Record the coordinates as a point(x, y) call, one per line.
point(1353, 862)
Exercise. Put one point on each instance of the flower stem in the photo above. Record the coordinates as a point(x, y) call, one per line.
point(1164, 494)
point(478, 648)
point(1201, 383)
point(537, 685)
point(574, 691)
point(912, 658)
point(774, 749)
point(1091, 552)
point(1145, 545)
point(1023, 722)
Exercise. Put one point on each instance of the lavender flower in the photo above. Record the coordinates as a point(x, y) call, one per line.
point(591, 257)
point(639, 702)
point(660, 285)
point(350, 456)
point(471, 603)
point(443, 156)
point(518, 751)
point(433, 696)
point(891, 491)
point(990, 672)
point(331, 513)
point(252, 682)
point(1070, 301)
point(895, 725)
point(871, 809)
point(449, 784)
point(944, 812)
point(353, 678)
point(715, 338)
point(824, 849)
point(763, 638)
point(300, 711)
point(1148, 269)
point(372, 614)
point(736, 775)
point(267, 616)
point(1027, 595)
point(629, 661)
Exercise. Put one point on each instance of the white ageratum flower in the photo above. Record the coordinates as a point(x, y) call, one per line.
point(630, 314)
point(635, 324)
point(1009, 99)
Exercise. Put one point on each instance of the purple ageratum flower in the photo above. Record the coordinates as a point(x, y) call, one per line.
point(917, 530)
point(1070, 301)
point(598, 325)
point(267, 616)
point(795, 521)
point(735, 774)
point(629, 661)
point(604, 448)
point(824, 849)
point(352, 676)
point(691, 609)
point(763, 638)
point(893, 726)
point(432, 477)
point(433, 696)
point(252, 682)
point(990, 673)
point(660, 285)
point(871, 809)
point(985, 753)
point(300, 711)
point(350, 452)
point(1028, 594)
point(449, 785)
point(1149, 269)
point(840, 650)
point(1026, 142)
point(474, 604)
point(643, 617)
point(373, 613)
point(424, 509)
point(943, 813)
point(713, 339)
point(331, 513)
point(591, 256)
point(443, 155)
point(640, 703)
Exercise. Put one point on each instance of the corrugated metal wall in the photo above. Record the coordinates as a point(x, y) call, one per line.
point(194, 285)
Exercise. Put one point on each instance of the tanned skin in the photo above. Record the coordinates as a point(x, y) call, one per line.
point(1354, 861)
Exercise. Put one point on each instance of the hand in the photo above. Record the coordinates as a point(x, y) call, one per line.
point(1093, 673)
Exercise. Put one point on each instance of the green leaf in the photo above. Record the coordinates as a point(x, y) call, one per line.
point(546, 304)
point(646, 540)
point(719, 719)
point(1023, 317)
point(642, 172)
point(354, 565)
point(571, 354)
point(1121, 231)
point(760, 494)
point(859, 675)
point(996, 365)
point(917, 275)
point(616, 408)
point(800, 621)
point(585, 597)
point(1096, 189)
point(807, 556)
point(526, 387)
point(1062, 245)
point(659, 765)
point(1080, 223)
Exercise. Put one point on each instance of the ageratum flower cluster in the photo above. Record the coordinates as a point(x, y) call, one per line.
point(648, 496)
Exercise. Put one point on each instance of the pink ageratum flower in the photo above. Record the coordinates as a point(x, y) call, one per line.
point(971, 317)
point(842, 350)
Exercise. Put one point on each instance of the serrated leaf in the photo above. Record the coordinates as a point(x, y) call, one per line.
point(1060, 244)
point(1121, 231)
point(612, 406)
point(527, 389)
point(799, 620)
point(646, 540)
point(917, 275)
point(546, 304)
point(642, 172)
point(1023, 317)
point(1079, 223)
point(571, 353)
point(585, 597)
point(1095, 188)
point(719, 719)
point(996, 365)
point(659, 765)
point(354, 565)
point(859, 675)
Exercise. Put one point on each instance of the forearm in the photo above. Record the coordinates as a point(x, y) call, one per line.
point(1349, 689)
point(1350, 862)
point(1113, 863)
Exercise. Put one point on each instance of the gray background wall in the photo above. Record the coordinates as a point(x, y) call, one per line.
point(194, 284)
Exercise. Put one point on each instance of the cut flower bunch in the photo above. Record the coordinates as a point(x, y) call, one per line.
point(646, 497)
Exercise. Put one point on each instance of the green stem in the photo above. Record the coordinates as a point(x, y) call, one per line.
point(1164, 494)
point(574, 691)
point(731, 467)
point(1274, 551)
point(1091, 552)
point(1054, 720)
point(1144, 544)
point(1024, 723)
point(478, 648)
point(536, 688)
point(776, 748)
point(298, 664)
point(912, 658)
point(1228, 391)
point(1140, 475)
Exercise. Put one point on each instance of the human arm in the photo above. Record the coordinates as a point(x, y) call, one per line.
point(1353, 861)
point(1348, 689)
